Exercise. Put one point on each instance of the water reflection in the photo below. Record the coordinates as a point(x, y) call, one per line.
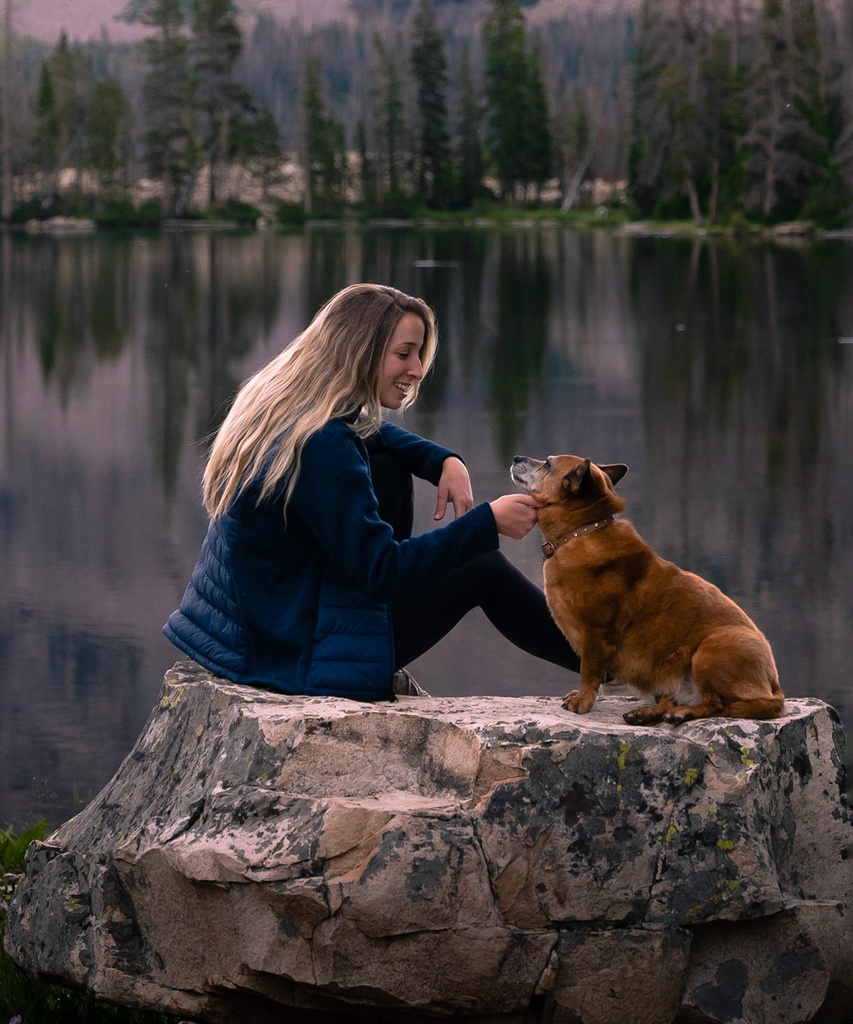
point(712, 368)
point(747, 419)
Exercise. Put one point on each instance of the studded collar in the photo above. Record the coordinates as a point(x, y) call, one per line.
point(549, 547)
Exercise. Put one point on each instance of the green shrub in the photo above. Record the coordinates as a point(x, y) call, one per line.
point(235, 210)
point(290, 215)
point(395, 205)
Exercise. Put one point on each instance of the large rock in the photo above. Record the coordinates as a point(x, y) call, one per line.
point(489, 859)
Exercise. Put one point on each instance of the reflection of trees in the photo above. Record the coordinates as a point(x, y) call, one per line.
point(524, 291)
point(744, 405)
point(75, 294)
point(172, 300)
point(327, 262)
point(449, 277)
point(748, 470)
point(444, 268)
point(200, 302)
point(208, 300)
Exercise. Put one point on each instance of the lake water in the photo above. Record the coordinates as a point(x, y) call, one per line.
point(720, 371)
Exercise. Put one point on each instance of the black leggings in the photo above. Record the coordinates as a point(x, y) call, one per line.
point(515, 606)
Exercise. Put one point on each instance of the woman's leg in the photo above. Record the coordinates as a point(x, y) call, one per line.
point(514, 605)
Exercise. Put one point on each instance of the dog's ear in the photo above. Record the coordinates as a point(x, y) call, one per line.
point(573, 481)
point(615, 472)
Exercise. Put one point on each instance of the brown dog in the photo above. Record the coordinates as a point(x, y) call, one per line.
point(635, 618)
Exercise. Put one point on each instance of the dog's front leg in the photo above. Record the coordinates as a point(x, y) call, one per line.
point(594, 663)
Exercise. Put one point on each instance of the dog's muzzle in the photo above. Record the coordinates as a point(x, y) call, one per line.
point(522, 471)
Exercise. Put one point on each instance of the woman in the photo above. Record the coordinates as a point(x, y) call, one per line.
point(308, 580)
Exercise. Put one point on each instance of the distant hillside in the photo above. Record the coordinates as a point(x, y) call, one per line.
point(89, 19)
point(586, 41)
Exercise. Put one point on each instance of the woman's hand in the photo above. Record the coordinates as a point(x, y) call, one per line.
point(515, 515)
point(454, 488)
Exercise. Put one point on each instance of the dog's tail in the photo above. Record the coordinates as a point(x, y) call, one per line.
point(757, 707)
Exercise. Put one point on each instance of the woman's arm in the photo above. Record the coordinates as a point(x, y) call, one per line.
point(454, 488)
point(334, 498)
point(422, 458)
point(425, 459)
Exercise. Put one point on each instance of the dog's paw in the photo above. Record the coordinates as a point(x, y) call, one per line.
point(578, 702)
point(643, 716)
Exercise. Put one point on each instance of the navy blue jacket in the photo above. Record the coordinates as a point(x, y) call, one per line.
point(301, 605)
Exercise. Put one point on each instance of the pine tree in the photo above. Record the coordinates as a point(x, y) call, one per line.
point(824, 194)
point(468, 146)
point(325, 156)
point(505, 86)
point(843, 109)
point(684, 127)
point(518, 135)
point(575, 136)
point(219, 99)
point(541, 139)
point(366, 166)
point(723, 124)
point(170, 147)
point(46, 137)
point(389, 115)
point(771, 112)
point(789, 141)
point(256, 142)
point(649, 128)
point(73, 82)
point(429, 67)
point(108, 131)
point(6, 141)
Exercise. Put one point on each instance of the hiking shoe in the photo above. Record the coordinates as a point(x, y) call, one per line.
point(406, 686)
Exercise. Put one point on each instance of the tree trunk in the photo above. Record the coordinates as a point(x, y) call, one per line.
point(166, 186)
point(714, 196)
point(693, 197)
point(769, 195)
point(571, 192)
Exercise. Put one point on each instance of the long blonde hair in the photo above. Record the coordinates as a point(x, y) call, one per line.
point(331, 369)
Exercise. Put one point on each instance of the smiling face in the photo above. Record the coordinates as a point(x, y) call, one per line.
point(401, 366)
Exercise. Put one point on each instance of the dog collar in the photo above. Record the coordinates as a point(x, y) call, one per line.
point(549, 547)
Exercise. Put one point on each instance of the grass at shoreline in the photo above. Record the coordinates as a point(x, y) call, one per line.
point(70, 211)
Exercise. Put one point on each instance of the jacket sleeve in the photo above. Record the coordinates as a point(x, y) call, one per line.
point(422, 458)
point(334, 498)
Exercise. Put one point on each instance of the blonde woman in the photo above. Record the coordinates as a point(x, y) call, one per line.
point(309, 581)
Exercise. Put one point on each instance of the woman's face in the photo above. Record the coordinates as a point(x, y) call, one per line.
point(401, 367)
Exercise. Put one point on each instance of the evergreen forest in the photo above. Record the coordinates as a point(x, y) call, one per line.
point(718, 112)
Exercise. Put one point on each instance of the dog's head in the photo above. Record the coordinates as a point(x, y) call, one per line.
point(569, 480)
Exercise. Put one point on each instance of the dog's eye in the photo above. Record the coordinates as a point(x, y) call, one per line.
point(548, 465)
